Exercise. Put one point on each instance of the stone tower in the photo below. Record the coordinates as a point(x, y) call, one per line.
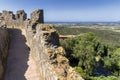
point(37, 16)
point(21, 15)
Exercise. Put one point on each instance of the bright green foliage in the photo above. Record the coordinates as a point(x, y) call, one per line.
point(85, 52)
point(112, 61)
point(82, 73)
point(105, 78)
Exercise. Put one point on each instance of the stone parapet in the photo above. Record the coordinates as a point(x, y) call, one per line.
point(43, 41)
point(4, 42)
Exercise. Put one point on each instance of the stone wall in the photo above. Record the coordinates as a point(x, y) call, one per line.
point(37, 16)
point(50, 57)
point(43, 41)
point(19, 19)
point(4, 41)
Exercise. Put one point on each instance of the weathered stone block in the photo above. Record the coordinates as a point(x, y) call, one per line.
point(37, 16)
point(21, 15)
point(8, 15)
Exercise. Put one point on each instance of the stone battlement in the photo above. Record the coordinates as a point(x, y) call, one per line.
point(36, 16)
point(19, 19)
point(43, 41)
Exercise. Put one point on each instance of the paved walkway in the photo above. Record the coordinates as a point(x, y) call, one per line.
point(20, 64)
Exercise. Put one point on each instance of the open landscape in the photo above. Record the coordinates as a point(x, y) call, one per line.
point(99, 44)
point(60, 40)
point(106, 34)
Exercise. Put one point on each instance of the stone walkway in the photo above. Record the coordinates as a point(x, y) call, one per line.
point(20, 64)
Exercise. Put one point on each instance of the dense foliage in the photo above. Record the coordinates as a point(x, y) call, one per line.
point(92, 58)
point(105, 78)
point(112, 61)
point(84, 51)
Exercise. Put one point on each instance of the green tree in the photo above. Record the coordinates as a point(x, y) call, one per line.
point(117, 59)
point(68, 45)
point(112, 61)
point(105, 78)
point(84, 50)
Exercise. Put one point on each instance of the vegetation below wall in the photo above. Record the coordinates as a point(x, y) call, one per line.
point(95, 54)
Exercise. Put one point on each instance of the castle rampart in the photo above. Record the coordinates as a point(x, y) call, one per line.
point(43, 41)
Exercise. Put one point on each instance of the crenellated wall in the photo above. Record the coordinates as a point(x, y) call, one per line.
point(43, 41)
point(4, 41)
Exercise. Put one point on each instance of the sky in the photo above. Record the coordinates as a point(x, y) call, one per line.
point(68, 10)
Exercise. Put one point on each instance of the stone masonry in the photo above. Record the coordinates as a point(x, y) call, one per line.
point(4, 41)
point(43, 41)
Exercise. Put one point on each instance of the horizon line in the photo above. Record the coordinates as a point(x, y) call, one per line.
point(81, 21)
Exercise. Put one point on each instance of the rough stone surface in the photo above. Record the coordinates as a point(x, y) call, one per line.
point(21, 15)
point(37, 16)
point(8, 15)
point(44, 44)
point(43, 41)
point(4, 41)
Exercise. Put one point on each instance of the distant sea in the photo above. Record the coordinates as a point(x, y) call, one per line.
point(84, 23)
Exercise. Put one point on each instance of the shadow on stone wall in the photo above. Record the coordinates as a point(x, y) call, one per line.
point(17, 57)
point(4, 41)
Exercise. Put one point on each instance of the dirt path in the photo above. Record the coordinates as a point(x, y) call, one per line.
point(20, 64)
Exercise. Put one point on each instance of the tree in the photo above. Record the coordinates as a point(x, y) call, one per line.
point(112, 62)
point(117, 58)
point(84, 50)
point(68, 45)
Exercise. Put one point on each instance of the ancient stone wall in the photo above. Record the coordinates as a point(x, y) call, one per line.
point(37, 16)
point(18, 19)
point(50, 57)
point(43, 41)
point(21, 15)
point(4, 41)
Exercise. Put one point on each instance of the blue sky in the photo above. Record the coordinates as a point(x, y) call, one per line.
point(68, 10)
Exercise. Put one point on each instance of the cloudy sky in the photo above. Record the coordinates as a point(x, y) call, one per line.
point(68, 10)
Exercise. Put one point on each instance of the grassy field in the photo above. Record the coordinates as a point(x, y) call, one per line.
point(105, 35)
